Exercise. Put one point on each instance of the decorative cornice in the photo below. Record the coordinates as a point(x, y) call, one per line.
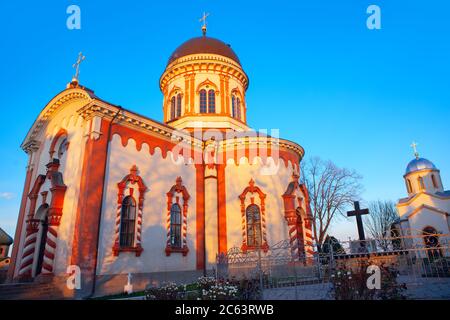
point(424, 206)
point(414, 197)
point(150, 127)
point(201, 63)
point(257, 141)
point(420, 171)
point(126, 118)
point(31, 146)
point(50, 109)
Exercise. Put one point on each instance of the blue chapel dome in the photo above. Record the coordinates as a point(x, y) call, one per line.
point(420, 164)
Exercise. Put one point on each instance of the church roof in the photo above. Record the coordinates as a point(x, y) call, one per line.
point(204, 44)
point(419, 164)
point(444, 194)
point(5, 239)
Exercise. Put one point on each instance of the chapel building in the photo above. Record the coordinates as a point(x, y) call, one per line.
point(424, 214)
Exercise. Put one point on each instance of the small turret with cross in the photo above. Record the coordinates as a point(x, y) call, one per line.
point(414, 146)
point(203, 18)
point(76, 66)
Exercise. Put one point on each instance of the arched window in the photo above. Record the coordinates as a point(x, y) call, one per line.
point(175, 226)
point(253, 215)
point(233, 106)
point(433, 179)
point(238, 108)
point(421, 184)
point(62, 148)
point(409, 186)
point(127, 222)
point(172, 108)
point(59, 145)
point(179, 105)
point(203, 101)
point(211, 101)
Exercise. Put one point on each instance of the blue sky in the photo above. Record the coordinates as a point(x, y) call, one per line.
point(355, 96)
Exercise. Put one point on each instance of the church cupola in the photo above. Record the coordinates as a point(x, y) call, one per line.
point(422, 176)
point(204, 86)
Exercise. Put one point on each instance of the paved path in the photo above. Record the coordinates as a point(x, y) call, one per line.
point(417, 289)
point(319, 291)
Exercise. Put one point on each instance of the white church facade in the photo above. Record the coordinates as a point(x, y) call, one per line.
point(424, 214)
point(114, 192)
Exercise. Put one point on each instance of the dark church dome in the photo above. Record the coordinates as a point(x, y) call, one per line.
point(204, 45)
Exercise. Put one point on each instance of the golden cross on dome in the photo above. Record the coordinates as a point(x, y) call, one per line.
point(205, 15)
point(76, 65)
point(414, 146)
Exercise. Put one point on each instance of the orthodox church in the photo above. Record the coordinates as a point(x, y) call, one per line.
point(424, 213)
point(114, 192)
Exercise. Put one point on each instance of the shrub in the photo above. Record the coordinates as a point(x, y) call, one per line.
point(220, 291)
point(352, 285)
point(169, 291)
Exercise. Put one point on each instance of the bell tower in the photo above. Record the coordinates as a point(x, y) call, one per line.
point(422, 175)
point(204, 86)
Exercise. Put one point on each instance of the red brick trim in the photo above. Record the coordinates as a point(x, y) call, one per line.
point(262, 196)
point(180, 189)
point(200, 215)
point(221, 209)
point(85, 240)
point(132, 178)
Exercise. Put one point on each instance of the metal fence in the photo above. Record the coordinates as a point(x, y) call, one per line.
point(421, 263)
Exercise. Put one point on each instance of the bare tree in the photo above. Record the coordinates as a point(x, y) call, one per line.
point(379, 221)
point(331, 190)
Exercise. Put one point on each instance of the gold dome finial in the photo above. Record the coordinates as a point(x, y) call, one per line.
point(205, 15)
point(76, 66)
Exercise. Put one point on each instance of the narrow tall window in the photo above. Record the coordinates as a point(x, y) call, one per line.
point(62, 148)
point(127, 222)
point(253, 215)
point(179, 105)
point(203, 101)
point(409, 186)
point(233, 106)
point(172, 108)
point(238, 108)
point(433, 179)
point(175, 226)
point(421, 184)
point(211, 101)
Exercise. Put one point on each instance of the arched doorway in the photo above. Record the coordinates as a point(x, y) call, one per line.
point(431, 241)
point(42, 215)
